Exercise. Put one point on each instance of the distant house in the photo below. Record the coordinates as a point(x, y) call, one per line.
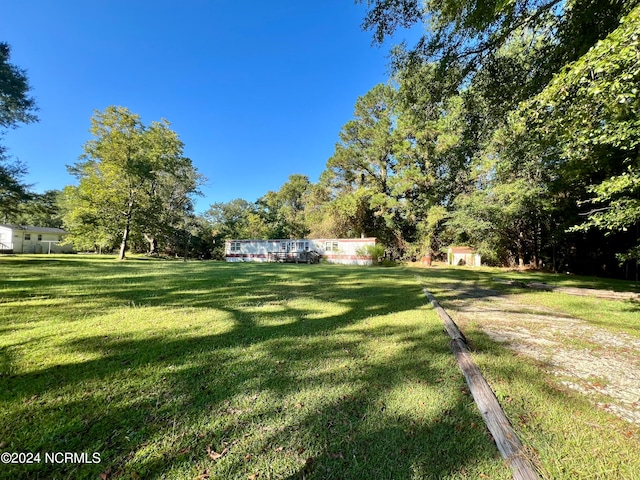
point(347, 251)
point(463, 256)
point(30, 239)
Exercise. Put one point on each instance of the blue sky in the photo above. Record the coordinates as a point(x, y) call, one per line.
point(256, 90)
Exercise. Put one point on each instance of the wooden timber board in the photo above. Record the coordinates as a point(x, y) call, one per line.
point(494, 417)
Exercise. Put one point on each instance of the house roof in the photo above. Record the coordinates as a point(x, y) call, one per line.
point(248, 240)
point(462, 250)
point(31, 228)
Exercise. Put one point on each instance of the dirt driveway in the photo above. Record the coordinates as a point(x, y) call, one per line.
point(604, 366)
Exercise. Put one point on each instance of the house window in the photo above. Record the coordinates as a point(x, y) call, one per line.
point(39, 238)
point(283, 246)
point(235, 246)
point(331, 246)
point(27, 236)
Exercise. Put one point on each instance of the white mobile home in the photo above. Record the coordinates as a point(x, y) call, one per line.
point(30, 239)
point(334, 250)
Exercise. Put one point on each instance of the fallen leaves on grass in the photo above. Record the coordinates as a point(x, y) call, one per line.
point(308, 466)
point(204, 475)
point(213, 455)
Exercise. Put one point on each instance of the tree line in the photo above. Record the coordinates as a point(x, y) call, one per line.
point(512, 127)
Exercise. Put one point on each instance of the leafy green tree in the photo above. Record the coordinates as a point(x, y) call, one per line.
point(500, 220)
point(397, 160)
point(16, 106)
point(332, 213)
point(362, 166)
point(42, 210)
point(170, 215)
point(234, 220)
point(465, 34)
point(433, 155)
point(584, 130)
point(293, 198)
point(283, 211)
point(89, 227)
point(13, 191)
point(128, 177)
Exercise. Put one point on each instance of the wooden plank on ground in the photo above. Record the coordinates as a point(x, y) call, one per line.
point(494, 417)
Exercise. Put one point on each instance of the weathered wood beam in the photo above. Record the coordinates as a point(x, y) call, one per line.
point(494, 417)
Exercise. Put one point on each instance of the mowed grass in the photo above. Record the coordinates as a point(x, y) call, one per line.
point(211, 370)
point(568, 436)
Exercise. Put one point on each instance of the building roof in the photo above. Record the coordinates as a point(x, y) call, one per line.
point(462, 250)
point(247, 240)
point(31, 228)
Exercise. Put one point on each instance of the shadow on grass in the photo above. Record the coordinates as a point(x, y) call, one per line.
point(312, 397)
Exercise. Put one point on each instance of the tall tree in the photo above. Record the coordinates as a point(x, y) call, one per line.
point(235, 219)
point(467, 33)
point(283, 211)
point(363, 164)
point(583, 129)
point(170, 206)
point(16, 106)
point(292, 197)
point(122, 173)
point(42, 210)
point(13, 191)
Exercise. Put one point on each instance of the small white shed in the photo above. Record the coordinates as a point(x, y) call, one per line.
point(32, 239)
point(463, 256)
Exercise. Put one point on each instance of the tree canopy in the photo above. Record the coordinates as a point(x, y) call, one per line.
point(132, 179)
point(16, 107)
point(512, 127)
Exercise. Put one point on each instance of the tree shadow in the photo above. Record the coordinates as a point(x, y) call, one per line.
point(262, 389)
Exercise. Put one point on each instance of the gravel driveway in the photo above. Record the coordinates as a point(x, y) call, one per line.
point(603, 365)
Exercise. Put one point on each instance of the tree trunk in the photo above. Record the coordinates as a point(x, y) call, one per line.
point(127, 229)
point(123, 244)
point(186, 246)
point(153, 244)
point(520, 247)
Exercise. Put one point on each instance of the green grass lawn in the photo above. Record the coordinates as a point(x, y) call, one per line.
point(267, 371)
point(213, 370)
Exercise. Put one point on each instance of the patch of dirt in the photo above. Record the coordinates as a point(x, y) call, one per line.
point(603, 365)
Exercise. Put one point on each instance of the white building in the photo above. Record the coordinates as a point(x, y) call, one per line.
point(463, 256)
point(347, 251)
point(30, 239)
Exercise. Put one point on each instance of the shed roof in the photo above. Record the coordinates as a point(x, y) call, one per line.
point(462, 250)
